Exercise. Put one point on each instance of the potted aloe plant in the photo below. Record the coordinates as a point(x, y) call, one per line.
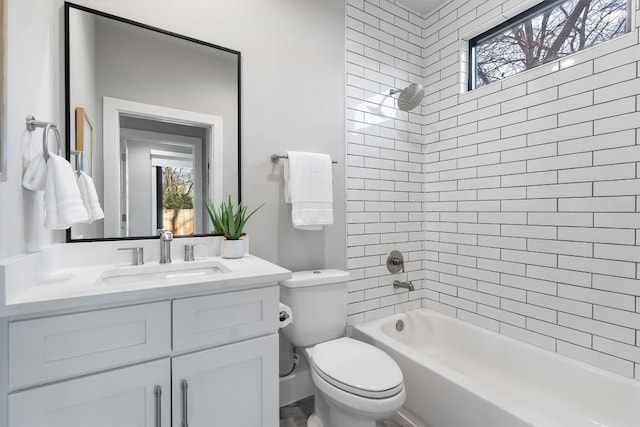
point(229, 220)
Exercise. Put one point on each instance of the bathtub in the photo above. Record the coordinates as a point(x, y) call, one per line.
point(458, 374)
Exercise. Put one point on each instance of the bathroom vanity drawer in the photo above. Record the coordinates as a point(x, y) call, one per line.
point(52, 348)
point(219, 319)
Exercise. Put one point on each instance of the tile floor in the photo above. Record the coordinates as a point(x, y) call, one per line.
point(295, 415)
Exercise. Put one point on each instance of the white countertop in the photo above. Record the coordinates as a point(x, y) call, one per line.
point(27, 291)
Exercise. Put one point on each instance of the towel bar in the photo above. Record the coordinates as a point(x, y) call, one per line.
point(276, 157)
point(33, 124)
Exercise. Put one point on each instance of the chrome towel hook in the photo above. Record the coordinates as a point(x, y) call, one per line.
point(33, 124)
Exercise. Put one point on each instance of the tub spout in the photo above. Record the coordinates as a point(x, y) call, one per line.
point(406, 285)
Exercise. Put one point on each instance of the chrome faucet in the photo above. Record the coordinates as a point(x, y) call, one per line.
point(189, 251)
point(406, 285)
point(165, 246)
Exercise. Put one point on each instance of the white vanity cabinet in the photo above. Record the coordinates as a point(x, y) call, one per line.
point(229, 386)
point(207, 360)
point(136, 396)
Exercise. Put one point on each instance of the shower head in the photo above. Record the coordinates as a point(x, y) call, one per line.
point(410, 97)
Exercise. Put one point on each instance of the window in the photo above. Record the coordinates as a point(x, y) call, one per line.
point(544, 33)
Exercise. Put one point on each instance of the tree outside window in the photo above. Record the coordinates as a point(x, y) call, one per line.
point(177, 200)
point(177, 188)
point(545, 34)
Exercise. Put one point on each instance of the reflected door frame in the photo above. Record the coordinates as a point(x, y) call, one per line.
point(160, 144)
point(113, 109)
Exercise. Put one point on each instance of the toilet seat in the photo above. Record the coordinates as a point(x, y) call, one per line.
point(358, 368)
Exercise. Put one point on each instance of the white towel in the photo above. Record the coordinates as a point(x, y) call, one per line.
point(308, 187)
point(62, 203)
point(36, 174)
point(89, 197)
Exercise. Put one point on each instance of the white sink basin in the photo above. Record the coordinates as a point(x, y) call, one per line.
point(160, 272)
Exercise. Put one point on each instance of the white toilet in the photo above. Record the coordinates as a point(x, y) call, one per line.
point(356, 384)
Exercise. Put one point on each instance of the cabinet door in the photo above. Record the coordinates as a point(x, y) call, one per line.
point(231, 386)
point(124, 397)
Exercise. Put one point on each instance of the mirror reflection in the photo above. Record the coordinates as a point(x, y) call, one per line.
point(164, 113)
point(162, 174)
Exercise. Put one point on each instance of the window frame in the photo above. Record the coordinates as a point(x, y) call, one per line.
point(516, 20)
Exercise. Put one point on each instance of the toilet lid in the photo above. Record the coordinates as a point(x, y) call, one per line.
point(357, 368)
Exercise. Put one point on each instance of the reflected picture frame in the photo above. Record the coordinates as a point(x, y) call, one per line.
point(84, 140)
point(3, 90)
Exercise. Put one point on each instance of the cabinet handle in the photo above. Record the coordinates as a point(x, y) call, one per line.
point(184, 386)
point(157, 392)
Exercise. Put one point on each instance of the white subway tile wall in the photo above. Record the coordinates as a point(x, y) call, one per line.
point(517, 205)
point(385, 157)
point(556, 237)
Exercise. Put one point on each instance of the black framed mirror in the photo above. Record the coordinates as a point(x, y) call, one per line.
point(153, 117)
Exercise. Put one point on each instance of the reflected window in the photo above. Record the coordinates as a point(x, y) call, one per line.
point(175, 189)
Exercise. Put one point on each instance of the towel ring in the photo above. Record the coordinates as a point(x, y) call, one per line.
point(33, 124)
point(45, 140)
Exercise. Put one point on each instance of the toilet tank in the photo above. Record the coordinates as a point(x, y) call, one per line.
point(318, 300)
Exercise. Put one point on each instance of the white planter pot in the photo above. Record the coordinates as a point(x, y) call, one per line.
point(232, 248)
point(245, 239)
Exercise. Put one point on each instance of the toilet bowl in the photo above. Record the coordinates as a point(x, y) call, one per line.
point(355, 384)
point(359, 382)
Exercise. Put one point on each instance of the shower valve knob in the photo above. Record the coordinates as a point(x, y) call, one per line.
point(395, 262)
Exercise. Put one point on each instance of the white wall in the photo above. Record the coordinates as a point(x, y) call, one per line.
point(530, 186)
point(532, 192)
point(292, 99)
point(34, 86)
point(384, 174)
